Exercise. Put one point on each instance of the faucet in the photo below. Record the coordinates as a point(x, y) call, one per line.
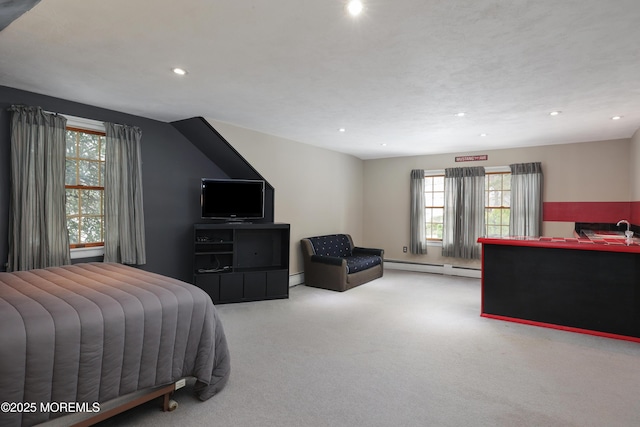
point(623, 221)
point(628, 234)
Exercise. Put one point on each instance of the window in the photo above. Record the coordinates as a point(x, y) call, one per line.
point(497, 203)
point(84, 183)
point(434, 206)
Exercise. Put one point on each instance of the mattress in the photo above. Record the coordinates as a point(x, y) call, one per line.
point(87, 333)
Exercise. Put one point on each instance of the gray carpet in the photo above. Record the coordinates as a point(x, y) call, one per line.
point(409, 349)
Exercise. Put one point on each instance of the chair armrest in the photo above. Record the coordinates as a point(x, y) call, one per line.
point(368, 251)
point(331, 260)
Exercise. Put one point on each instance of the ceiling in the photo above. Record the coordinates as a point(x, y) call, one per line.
point(394, 77)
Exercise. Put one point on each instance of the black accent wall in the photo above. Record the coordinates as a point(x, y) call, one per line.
point(171, 173)
point(214, 146)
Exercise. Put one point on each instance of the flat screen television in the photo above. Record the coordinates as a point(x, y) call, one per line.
point(232, 199)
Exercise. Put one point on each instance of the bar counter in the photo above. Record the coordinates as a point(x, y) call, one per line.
point(584, 284)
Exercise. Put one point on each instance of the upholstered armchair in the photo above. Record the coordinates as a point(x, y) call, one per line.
point(333, 262)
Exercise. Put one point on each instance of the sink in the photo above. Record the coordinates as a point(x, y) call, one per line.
point(609, 234)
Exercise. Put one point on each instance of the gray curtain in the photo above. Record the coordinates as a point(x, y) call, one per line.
point(525, 218)
point(463, 212)
point(38, 236)
point(418, 238)
point(124, 239)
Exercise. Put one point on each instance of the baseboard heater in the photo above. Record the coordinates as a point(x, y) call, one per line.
point(445, 269)
point(296, 279)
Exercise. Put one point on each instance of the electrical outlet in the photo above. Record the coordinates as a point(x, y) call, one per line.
point(404, 249)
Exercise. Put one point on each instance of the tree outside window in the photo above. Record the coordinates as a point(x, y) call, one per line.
point(497, 205)
point(434, 206)
point(84, 183)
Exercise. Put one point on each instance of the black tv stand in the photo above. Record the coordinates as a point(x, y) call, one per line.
point(237, 262)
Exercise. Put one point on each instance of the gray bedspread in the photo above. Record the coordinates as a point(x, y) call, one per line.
point(93, 332)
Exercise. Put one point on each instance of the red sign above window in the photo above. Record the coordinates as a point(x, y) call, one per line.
point(471, 158)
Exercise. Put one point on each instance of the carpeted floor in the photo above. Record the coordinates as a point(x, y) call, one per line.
point(409, 349)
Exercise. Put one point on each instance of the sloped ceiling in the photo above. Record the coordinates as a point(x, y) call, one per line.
point(10, 10)
point(395, 77)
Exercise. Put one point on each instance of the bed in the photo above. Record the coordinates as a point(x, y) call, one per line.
point(87, 334)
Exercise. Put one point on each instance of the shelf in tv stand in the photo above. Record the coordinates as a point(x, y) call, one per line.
point(214, 253)
point(257, 269)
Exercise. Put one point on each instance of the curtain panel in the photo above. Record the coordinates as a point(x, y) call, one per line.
point(418, 237)
point(38, 236)
point(463, 212)
point(124, 237)
point(525, 217)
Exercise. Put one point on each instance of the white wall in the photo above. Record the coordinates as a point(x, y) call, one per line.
point(590, 171)
point(317, 191)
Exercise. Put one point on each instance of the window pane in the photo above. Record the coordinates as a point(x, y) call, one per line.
point(428, 183)
point(505, 216)
point(506, 182)
point(73, 224)
point(429, 230)
point(89, 173)
point(70, 177)
point(438, 199)
point(91, 230)
point(72, 202)
point(71, 143)
point(428, 199)
point(428, 215)
point(91, 202)
point(495, 181)
point(89, 147)
point(506, 199)
point(493, 230)
point(438, 183)
point(493, 216)
point(495, 199)
point(437, 231)
point(437, 214)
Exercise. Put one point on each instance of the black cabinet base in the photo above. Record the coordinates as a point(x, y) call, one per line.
point(242, 262)
point(586, 291)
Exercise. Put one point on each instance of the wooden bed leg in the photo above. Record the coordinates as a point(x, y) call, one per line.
point(165, 402)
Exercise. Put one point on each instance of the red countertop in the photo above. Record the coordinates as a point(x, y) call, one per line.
point(579, 243)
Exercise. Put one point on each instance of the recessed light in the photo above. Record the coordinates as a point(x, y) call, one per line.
point(483, 134)
point(555, 113)
point(461, 114)
point(180, 71)
point(342, 130)
point(383, 144)
point(354, 7)
point(616, 117)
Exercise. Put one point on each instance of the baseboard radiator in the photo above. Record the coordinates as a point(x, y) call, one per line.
point(445, 269)
point(296, 279)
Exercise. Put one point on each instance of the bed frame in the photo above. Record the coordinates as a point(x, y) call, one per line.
point(120, 405)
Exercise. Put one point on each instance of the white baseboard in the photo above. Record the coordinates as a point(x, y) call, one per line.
point(296, 279)
point(446, 269)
